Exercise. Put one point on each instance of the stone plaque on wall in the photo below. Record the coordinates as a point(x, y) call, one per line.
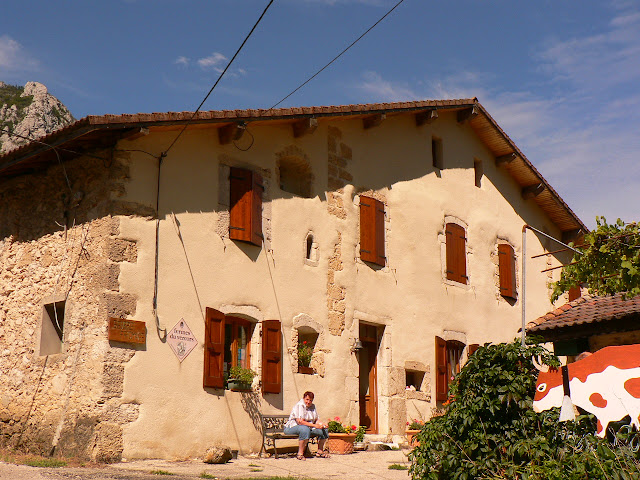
point(127, 331)
point(181, 340)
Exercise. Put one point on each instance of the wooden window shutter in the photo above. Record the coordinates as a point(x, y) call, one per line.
point(507, 270)
point(442, 382)
point(271, 356)
point(456, 247)
point(472, 349)
point(214, 349)
point(372, 231)
point(245, 215)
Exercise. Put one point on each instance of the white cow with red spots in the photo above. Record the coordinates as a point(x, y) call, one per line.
point(606, 384)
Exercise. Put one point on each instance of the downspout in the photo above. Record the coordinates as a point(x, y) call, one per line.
point(159, 329)
point(524, 271)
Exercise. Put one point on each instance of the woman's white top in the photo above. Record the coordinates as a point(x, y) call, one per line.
point(300, 410)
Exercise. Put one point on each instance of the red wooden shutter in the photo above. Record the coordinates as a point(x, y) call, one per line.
point(245, 216)
point(507, 270)
point(442, 380)
point(472, 349)
point(271, 357)
point(214, 349)
point(372, 230)
point(456, 253)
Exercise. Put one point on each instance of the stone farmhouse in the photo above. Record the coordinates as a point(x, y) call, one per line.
point(143, 256)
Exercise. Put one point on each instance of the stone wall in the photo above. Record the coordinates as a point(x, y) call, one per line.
point(60, 241)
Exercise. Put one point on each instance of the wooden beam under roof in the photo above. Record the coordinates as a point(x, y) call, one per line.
point(426, 117)
point(231, 132)
point(532, 191)
point(134, 133)
point(467, 114)
point(305, 126)
point(506, 159)
point(373, 120)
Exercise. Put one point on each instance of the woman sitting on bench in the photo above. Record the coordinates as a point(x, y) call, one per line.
point(303, 422)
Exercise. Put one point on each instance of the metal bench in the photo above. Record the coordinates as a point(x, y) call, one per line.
point(272, 430)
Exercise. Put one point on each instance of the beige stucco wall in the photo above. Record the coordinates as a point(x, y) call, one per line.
point(409, 296)
point(161, 408)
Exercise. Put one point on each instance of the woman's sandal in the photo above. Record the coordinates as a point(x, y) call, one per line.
point(323, 454)
point(300, 457)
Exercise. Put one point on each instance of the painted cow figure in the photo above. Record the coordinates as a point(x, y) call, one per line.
point(606, 384)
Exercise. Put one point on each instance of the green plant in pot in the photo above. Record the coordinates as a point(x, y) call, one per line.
point(240, 378)
point(305, 352)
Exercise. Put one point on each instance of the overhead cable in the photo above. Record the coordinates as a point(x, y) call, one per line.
point(219, 78)
point(339, 55)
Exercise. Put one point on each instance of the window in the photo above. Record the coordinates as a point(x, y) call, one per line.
point(414, 380)
point(245, 216)
point(295, 176)
point(307, 339)
point(372, 231)
point(477, 168)
point(311, 251)
point(227, 344)
point(507, 270)
point(436, 153)
point(456, 245)
point(448, 355)
point(52, 331)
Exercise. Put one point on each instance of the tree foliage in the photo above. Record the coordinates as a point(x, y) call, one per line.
point(609, 263)
point(490, 431)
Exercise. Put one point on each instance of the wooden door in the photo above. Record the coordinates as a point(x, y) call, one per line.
point(369, 378)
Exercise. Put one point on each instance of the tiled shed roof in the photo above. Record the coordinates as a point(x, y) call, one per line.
point(586, 310)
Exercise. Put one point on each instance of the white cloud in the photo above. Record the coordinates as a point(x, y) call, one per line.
point(13, 56)
point(181, 60)
point(212, 60)
point(383, 90)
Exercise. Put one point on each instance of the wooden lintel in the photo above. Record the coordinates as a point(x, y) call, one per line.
point(571, 235)
point(305, 126)
point(373, 120)
point(506, 159)
point(231, 132)
point(426, 117)
point(533, 190)
point(467, 114)
point(135, 133)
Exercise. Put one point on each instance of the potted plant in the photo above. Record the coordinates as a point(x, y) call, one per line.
point(341, 437)
point(413, 428)
point(240, 379)
point(359, 441)
point(305, 352)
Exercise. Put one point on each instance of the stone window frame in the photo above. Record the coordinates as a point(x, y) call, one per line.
point(296, 158)
point(48, 329)
point(381, 197)
point(224, 201)
point(310, 253)
point(442, 238)
point(305, 321)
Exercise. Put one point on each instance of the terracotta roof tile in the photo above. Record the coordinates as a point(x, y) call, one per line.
point(585, 310)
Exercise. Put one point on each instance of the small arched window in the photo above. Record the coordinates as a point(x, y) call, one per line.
point(310, 250)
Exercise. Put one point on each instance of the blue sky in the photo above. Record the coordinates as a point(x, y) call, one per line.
point(561, 77)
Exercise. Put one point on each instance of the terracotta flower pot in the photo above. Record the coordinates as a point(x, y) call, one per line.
point(306, 370)
point(341, 443)
point(411, 437)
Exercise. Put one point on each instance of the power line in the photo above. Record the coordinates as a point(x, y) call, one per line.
point(339, 55)
point(219, 78)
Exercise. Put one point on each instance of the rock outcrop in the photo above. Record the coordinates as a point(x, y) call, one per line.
point(29, 111)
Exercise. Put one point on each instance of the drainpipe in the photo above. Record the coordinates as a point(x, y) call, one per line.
point(524, 271)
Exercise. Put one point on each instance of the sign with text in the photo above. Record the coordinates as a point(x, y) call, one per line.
point(127, 331)
point(181, 340)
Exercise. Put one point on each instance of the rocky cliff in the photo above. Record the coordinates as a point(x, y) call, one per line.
point(28, 111)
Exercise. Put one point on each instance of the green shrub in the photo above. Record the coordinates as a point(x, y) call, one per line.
point(490, 431)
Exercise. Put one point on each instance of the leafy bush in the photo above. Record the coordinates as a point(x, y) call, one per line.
point(335, 426)
point(360, 433)
point(490, 431)
point(305, 352)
